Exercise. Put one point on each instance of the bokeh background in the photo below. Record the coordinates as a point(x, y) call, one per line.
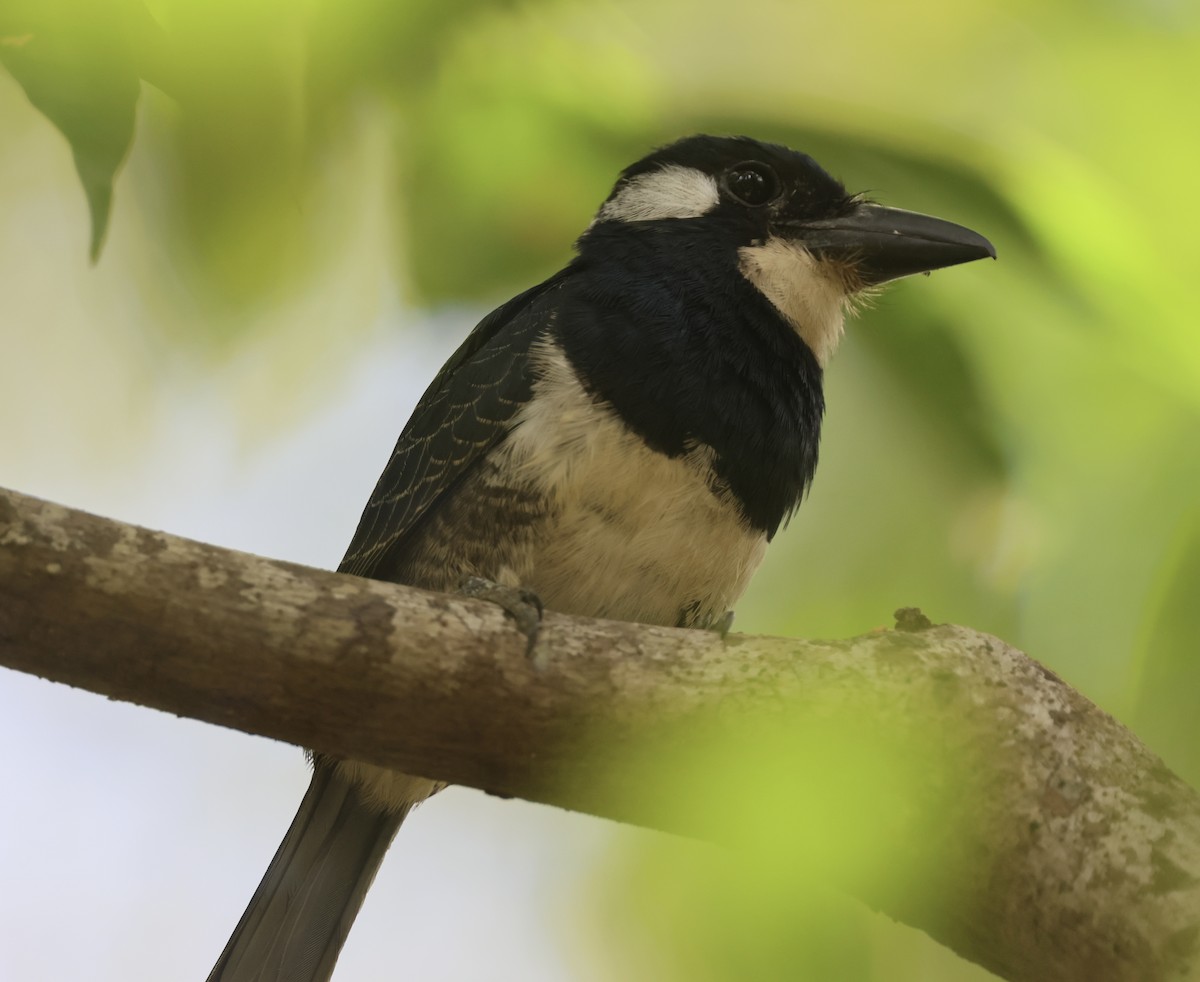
point(322, 198)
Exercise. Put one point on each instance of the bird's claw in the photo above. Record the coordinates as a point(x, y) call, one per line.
point(722, 624)
point(523, 606)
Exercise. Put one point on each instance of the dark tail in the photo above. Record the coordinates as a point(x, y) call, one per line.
point(298, 918)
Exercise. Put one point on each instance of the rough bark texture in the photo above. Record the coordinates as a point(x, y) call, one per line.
point(1065, 850)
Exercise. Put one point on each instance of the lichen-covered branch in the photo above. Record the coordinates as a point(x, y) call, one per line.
point(1052, 845)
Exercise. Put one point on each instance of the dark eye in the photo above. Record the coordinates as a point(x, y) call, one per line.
point(752, 183)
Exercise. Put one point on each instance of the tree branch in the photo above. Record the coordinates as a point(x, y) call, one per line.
point(1053, 845)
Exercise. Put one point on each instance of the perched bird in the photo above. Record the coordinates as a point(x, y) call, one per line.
point(622, 440)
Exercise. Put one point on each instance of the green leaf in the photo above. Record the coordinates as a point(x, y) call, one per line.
point(76, 62)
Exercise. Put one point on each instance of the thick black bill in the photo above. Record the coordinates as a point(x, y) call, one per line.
point(887, 243)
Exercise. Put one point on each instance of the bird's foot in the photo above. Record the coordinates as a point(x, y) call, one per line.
point(722, 624)
point(523, 606)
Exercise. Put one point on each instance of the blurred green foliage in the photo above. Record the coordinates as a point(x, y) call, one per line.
point(1014, 446)
point(78, 64)
point(805, 804)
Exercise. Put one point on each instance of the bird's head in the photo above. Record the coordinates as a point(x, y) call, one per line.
point(783, 223)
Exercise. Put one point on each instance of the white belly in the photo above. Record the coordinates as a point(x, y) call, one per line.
point(631, 534)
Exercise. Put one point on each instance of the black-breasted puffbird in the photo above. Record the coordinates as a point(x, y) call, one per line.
point(622, 440)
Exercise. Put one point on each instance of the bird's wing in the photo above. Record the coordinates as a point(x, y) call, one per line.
point(467, 410)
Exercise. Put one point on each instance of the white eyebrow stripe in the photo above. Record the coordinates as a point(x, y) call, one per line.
point(672, 191)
